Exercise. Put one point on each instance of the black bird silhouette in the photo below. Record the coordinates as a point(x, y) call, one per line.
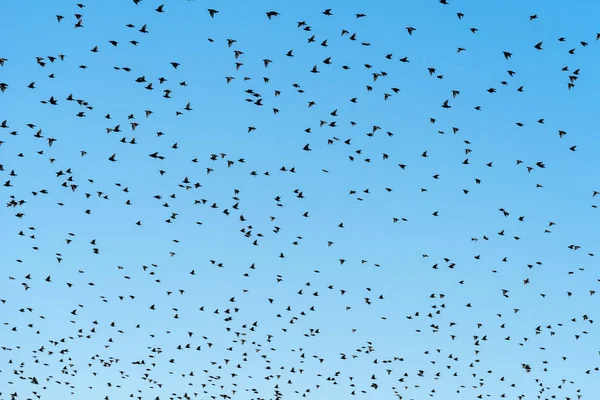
point(271, 14)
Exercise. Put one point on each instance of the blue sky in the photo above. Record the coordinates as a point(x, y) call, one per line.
point(135, 260)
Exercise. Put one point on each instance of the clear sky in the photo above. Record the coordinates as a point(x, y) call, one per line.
point(192, 260)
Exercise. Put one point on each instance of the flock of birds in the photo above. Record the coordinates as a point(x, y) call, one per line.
point(269, 298)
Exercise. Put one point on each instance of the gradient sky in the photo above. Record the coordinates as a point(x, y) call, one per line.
point(399, 256)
